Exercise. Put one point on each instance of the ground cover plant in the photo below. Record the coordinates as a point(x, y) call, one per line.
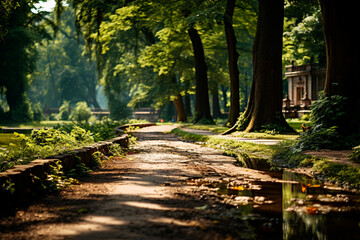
point(42, 143)
point(61, 138)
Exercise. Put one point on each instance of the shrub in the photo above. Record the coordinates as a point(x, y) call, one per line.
point(355, 155)
point(81, 112)
point(330, 122)
point(64, 111)
point(37, 112)
point(40, 144)
point(100, 130)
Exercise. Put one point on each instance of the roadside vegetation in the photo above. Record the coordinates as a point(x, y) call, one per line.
point(285, 154)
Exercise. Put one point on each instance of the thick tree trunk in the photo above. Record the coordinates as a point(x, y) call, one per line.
point(233, 67)
point(202, 106)
point(265, 100)
point(342, 50)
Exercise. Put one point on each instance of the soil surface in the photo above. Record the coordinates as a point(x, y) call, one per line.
point(165, 188)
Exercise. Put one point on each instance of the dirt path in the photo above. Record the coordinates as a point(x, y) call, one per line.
point(164, 189)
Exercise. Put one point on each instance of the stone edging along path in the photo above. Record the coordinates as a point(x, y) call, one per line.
point(22, 178)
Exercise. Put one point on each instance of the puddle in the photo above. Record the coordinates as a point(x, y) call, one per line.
point(296, 206)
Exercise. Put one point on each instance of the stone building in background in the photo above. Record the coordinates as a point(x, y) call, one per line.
point(304, 84)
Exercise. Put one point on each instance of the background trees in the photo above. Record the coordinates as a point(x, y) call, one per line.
point(18, 56)
point(194, 57)
point(62, 71)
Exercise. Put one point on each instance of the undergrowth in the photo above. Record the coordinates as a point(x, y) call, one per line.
point(42, 143)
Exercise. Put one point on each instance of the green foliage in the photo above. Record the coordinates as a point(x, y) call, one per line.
point(339, 173)
point(100, 130)
point(64, 111)
point(56, 179)
point(97, 159)
point(355, 155)
point(303, 34)
point(79, 170)
point(116, 150)
point(329, 111)
point(81, 112)
point(18, 55)
point(37, 112)
point(330, 118)
point(40, 144)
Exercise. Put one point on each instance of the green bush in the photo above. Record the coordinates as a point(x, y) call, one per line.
point(355, 155)
point(37, 112)
point(81, 112)
point(329, 111)
point(40, 144)
point(64, 111)
point(100, 130)
point(330, 120)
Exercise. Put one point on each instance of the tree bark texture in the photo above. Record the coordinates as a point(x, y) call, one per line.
point(179, 104)
point(233, 67)
point(342, 49)
point(180, 109)
point(265, 100)
point(340, 22)
point(202, 106)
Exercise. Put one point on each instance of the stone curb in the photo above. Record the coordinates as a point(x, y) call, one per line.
point(25, 181)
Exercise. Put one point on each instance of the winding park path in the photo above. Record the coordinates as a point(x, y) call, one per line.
point(165, 188)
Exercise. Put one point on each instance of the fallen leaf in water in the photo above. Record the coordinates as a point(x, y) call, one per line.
point(312, 210)
point(239, 188)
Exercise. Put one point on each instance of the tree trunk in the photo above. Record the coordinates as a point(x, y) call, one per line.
point(265, 100)
point(342, 50)
point(187, 104)
point(216, 113)
point(224, 96)
point(179, 104)
point(233, 67)
point(202, 106)
point(180, 108)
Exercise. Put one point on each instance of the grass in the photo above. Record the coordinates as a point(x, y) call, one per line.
point(219, 128)
point(6, 138)
point(228, 145)
point(33, 124)
point(279, 156)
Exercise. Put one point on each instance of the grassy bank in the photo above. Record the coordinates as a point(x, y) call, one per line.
point(278, 156)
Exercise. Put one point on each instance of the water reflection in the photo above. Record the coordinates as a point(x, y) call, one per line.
point(313, 211)
point(289, 206)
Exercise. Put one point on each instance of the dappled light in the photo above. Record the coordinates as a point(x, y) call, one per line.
point(174, 119)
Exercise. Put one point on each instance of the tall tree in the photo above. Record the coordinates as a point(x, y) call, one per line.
point(202, 106)
point(6, 7)
point(265, 100)
point(233, 55)
point(63, 73)
point(18, 56)
point(342, 51)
